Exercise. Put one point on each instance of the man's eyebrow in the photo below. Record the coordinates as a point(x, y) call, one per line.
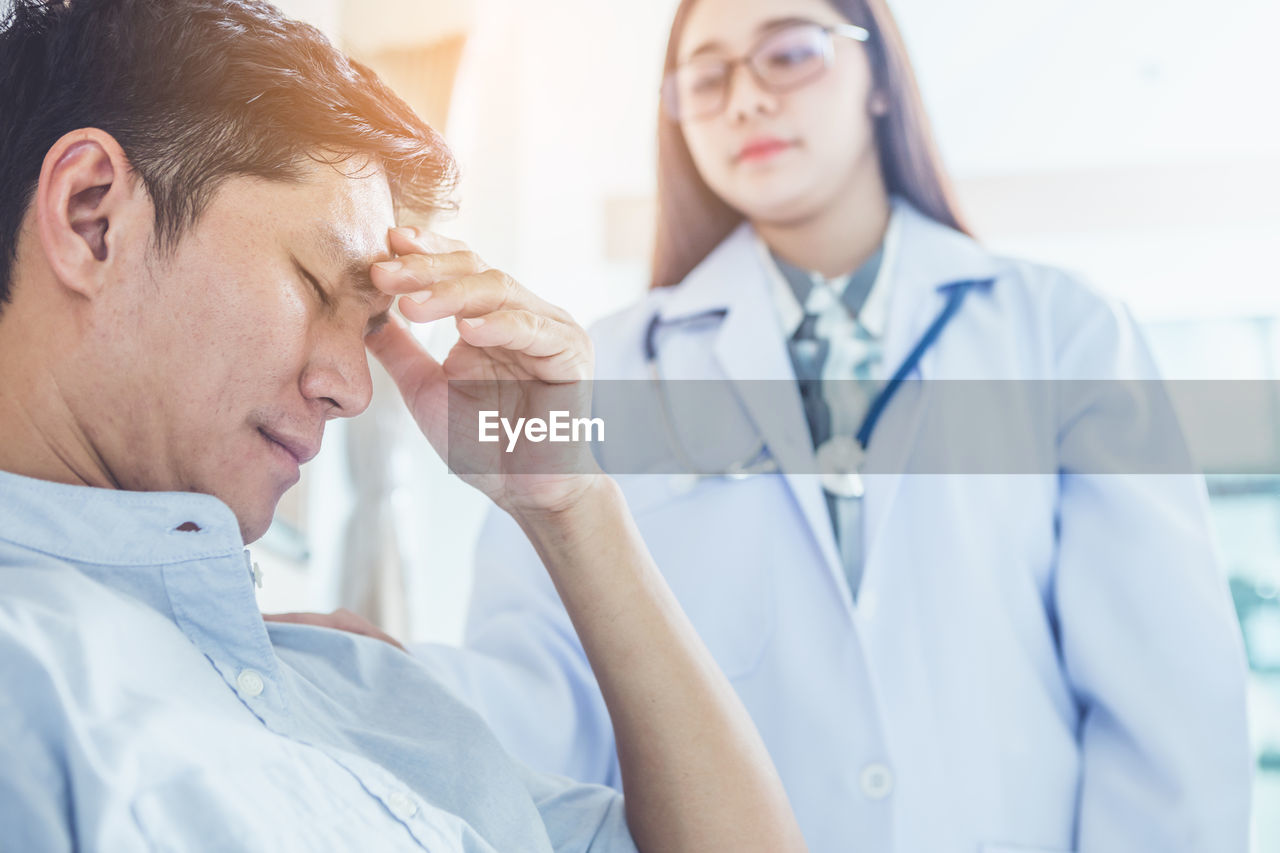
point(353, 269)
point(356, 272)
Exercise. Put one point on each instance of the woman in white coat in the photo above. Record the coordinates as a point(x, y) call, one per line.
point(942, 664)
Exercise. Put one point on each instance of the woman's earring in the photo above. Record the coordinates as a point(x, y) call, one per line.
point(879, 105)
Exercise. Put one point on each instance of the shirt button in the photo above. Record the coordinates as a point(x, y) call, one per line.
point(250, 683)
point(877, 781)
point(402, 805)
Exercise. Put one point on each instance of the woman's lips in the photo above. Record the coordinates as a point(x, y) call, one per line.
point(759, 150)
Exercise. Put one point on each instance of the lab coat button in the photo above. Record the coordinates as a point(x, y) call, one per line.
point(250, 683)
point(877, 781)
point(401, 805)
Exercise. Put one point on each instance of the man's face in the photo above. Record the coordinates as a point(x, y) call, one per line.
point(247, 339)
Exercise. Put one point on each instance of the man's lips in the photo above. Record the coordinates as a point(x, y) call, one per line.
point(302, 450)
point(762, 148)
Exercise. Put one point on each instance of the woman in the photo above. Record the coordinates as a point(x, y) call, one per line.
point(937, 663)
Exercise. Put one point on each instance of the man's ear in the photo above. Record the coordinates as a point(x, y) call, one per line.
point(84, 196)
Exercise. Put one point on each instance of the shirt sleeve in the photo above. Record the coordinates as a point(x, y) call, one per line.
point(579, 818)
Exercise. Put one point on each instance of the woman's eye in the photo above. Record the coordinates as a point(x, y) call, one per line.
point(788, 57)
point(706, 81)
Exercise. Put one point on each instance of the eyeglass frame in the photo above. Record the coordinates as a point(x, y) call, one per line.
point(851, 31)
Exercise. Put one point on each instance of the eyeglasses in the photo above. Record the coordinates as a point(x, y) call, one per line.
point(785, 59)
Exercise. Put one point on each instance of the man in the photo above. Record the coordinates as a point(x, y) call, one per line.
point(197, 202)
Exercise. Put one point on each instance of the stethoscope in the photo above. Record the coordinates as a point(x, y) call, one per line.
point(839, 458)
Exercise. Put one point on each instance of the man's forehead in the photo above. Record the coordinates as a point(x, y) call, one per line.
point(351, 250)
point(353, 219)
point(349, 228)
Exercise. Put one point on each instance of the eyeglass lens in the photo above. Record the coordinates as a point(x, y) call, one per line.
point(783, 60)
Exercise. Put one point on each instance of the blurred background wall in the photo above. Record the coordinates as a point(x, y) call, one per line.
point(1135, 141)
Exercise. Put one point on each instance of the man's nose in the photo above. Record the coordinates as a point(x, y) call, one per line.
point(338, 375)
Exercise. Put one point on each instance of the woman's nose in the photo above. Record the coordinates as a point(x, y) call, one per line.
point(746, 97)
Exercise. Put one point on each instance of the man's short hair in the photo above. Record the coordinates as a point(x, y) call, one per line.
point(196, 92)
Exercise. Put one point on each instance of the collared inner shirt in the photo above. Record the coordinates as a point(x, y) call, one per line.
point(834, 329)
point(829, 342)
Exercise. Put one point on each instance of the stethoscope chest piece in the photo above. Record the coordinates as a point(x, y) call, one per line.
point(840, 461)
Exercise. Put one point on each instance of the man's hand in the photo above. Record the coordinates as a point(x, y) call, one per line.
point(517, 354)
point(696, 773)
point(341, 620)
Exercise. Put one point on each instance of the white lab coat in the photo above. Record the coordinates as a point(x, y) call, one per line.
point(1033, 663)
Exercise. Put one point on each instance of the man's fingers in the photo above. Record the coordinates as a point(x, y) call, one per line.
point(321, 619)
point(442, 277)
point(341, 620)
point(412, 273)
point(474, 296)
point(438, 277)
point(408, 240)
point(554, 351)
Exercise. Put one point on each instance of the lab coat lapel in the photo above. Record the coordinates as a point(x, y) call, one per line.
point(928, 256)
point(749, 349)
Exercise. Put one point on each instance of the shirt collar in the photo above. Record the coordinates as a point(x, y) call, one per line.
point(802, 281)
point(791, 285)
point(109, 527)
point(178, 553)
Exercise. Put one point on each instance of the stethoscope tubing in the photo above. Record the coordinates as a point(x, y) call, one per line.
point(956, 293)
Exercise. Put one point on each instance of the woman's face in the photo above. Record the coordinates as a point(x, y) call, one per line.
point(783, 157)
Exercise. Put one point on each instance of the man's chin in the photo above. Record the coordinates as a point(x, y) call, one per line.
point(252, 532)
point(255, 517)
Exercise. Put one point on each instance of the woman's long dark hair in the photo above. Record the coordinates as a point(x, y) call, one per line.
point(693, 220)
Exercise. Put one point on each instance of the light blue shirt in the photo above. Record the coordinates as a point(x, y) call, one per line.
point(147, 706)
